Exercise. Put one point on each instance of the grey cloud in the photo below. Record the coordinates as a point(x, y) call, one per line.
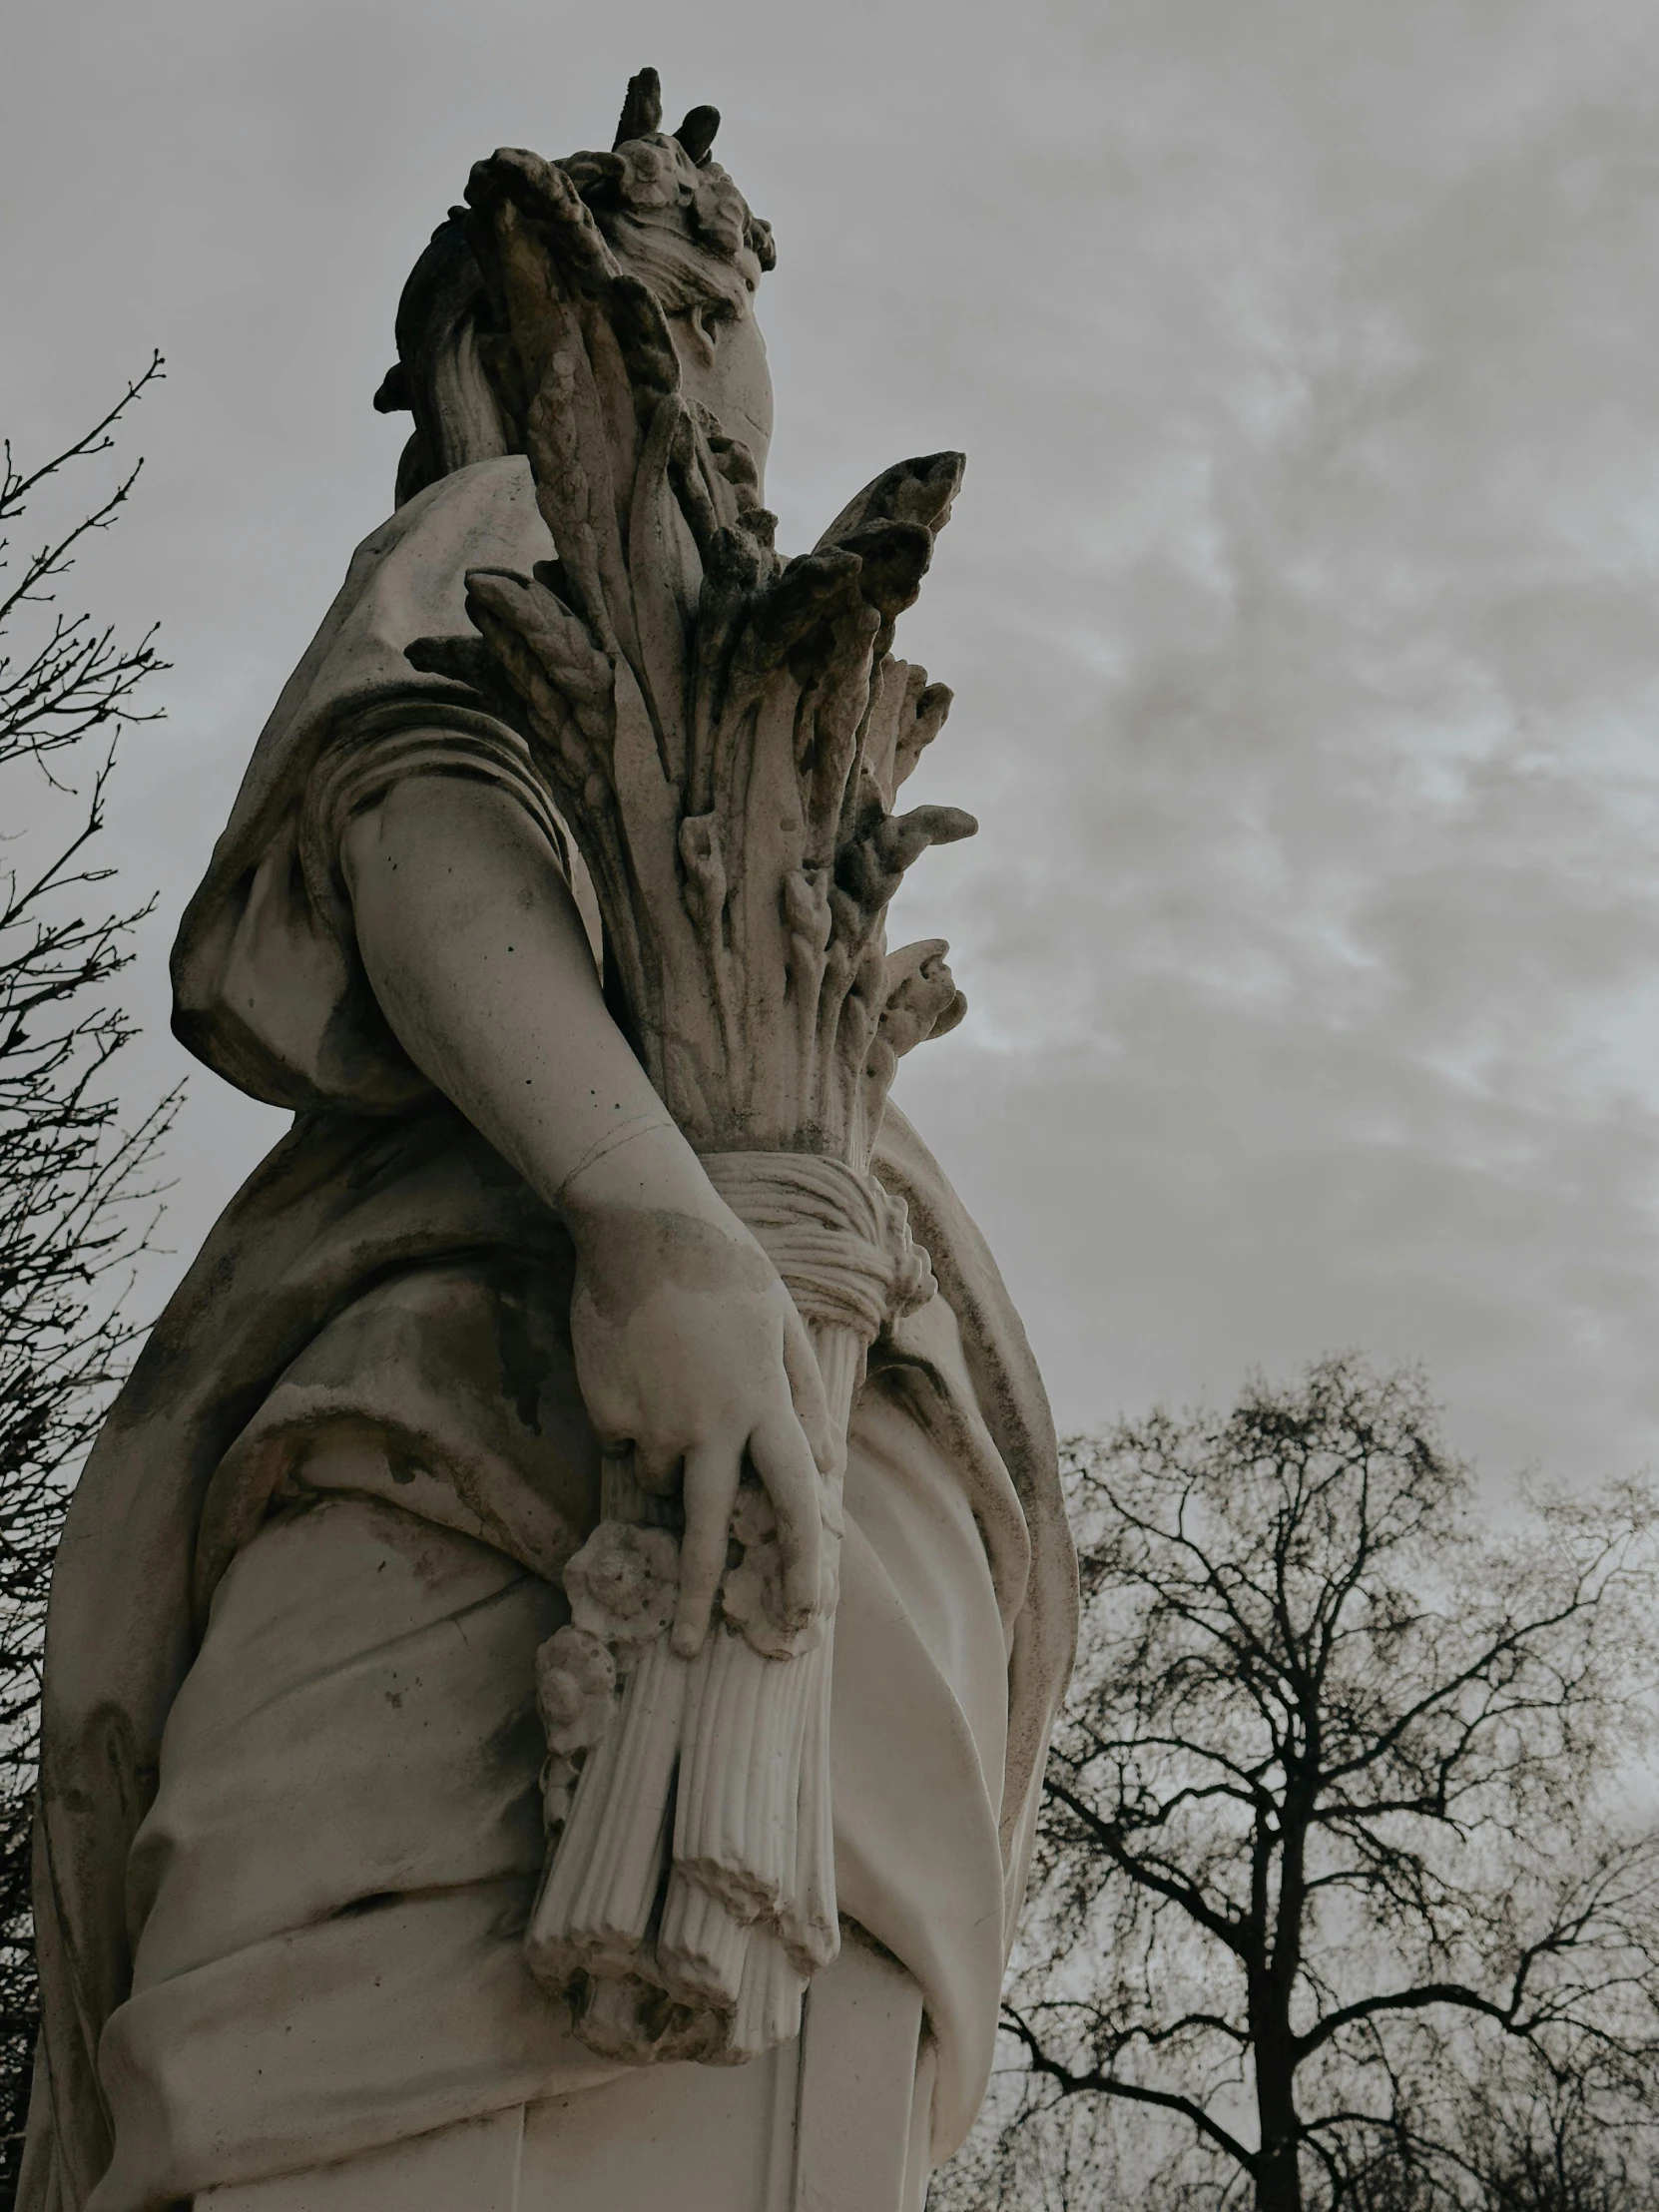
point(1299, 602)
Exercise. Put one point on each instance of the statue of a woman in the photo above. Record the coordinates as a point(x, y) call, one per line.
point(484, 1432)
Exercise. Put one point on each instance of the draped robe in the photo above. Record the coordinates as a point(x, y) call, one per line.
point(288, 1824)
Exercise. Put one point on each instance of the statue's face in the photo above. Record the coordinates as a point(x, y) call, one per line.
point(723, 364)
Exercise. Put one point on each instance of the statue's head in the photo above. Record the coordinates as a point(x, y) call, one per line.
point(673, 218)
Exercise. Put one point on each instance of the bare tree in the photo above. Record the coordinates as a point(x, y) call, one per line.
point(1340, 1807)
point(1528, 2138)
point(1550, 2144)
point(76, 1186)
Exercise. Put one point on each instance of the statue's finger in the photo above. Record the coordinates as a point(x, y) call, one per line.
point(783, 1462)
point(709, 1491)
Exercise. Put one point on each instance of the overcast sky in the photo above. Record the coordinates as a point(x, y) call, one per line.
point(1300, 605)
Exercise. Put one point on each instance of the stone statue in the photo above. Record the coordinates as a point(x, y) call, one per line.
point(551, 1657)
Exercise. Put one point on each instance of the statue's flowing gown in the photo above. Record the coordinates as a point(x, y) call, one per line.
point(289, 1821)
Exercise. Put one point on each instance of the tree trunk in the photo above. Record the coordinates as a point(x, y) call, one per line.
point(1271, 1984)
point(1279, 2172)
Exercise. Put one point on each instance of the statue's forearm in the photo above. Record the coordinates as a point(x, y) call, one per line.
point(687, 1346)
point(478, 958)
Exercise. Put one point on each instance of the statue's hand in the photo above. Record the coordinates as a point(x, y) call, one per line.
point(689, 1347)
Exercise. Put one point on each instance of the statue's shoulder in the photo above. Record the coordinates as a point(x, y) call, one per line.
point(485, 513)
point(249, 941)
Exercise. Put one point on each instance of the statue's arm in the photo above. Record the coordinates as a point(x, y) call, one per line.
point(687, 1344)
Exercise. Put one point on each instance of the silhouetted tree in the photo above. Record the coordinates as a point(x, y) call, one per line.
point(1338, 1813)
point(74, 1179)
point(1527, 2138)
point(1552, 2144)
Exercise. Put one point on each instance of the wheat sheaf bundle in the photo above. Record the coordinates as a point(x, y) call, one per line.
point(726, 732)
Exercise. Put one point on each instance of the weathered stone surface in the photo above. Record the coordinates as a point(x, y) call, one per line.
point(552, 1656)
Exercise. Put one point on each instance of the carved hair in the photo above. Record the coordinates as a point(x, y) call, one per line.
point(670, 214)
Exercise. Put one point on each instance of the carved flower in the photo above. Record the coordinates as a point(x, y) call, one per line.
point(624, 1583)
point(751, 1593)
point(575, 1688)
point(650, 174)
point(717, 210)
